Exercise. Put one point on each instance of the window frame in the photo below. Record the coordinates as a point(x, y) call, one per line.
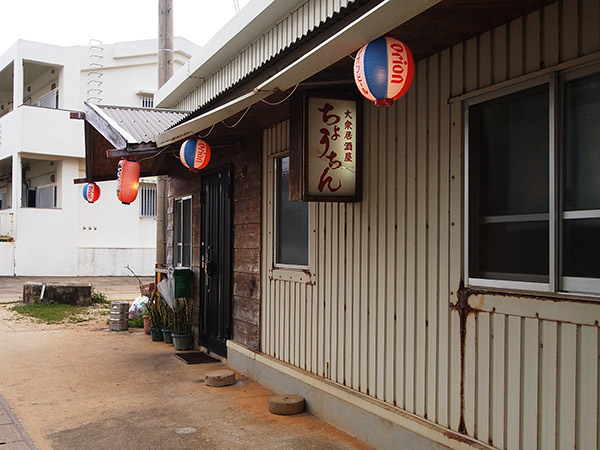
point(148, 199)
point(578, 285)
point(179, 246)
point(278, 265)
point(54, 190)
point(557, 282)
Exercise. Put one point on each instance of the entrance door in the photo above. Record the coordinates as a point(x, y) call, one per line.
point(216, 257)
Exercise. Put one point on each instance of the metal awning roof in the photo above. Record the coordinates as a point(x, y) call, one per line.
point(129, 128)
point(114, 132)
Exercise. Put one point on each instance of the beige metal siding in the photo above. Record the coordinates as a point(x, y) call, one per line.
point(291, 28)
point(376, 316)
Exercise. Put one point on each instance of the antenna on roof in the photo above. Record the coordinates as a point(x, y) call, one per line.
point(236, 5)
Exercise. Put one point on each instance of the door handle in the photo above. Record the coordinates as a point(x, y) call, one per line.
point(208, 262)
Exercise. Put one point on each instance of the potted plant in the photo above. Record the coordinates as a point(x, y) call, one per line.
point(166, 314)
point(183, 339)
point(156, 323)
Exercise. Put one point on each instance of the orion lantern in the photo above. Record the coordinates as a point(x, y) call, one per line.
point(383, 70)
point(194, 154)
point(128, 180)
point(91, 192)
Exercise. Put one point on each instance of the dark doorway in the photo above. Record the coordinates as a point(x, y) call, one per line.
point(216, 260)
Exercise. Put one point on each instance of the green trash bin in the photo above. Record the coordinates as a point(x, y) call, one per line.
point(183, 281)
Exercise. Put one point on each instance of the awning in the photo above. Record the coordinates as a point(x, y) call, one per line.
point(114, 132)
point(384, 16)
point(129, 128)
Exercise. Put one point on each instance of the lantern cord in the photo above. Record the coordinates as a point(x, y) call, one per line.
point(238, 121)
point(153, 156)
point(281, 101)
point(209, 131)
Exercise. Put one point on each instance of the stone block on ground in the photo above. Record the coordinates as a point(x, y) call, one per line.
point(67, 293)
point(286, 404)
point(220, 378)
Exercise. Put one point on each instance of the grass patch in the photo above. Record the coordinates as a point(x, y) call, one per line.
point(99, 297)
point(51, 312)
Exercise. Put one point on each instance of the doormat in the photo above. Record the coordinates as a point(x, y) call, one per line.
point(196, 358)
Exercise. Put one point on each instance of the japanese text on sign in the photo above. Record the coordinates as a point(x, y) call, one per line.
point(332, 147)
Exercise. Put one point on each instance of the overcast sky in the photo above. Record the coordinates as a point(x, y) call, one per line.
point(75, 22)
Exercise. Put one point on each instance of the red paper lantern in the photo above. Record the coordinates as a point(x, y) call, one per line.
point(128, 180)
point(194, 154)
point(383, 70)
point(91, 192)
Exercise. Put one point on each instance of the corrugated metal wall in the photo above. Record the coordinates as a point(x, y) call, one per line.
point(377, 316)
point(293, 27)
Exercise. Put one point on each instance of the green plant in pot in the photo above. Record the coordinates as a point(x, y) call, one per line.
point(183, 339)
point(156, 321)
point(166, 314)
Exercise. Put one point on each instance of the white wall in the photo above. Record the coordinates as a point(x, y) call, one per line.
point(7, 254)
point(111, 235)
point(46, 239)
point(76, 238)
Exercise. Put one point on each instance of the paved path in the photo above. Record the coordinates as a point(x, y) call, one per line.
point(80, 386)
point(12, 434)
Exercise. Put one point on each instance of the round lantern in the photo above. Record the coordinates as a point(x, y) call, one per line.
point(194, 154)
point(383, 70)
point(91, 192)
point(128, 180)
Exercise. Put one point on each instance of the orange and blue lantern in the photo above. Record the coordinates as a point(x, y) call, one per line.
point(128, 180)
point(383, 70)
point(194, 154)
point(91, 192)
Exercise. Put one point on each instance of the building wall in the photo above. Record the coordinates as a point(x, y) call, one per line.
point(246, 163)
point(79, 239)
point(379, 315)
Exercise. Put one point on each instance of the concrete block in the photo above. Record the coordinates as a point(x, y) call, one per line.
point(220, 378)
point(67, 293)
point(286, 405)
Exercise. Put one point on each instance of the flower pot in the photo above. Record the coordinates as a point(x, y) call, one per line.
point(183, 341)
point(156, 334)
point(167, 337)
point(146, 324)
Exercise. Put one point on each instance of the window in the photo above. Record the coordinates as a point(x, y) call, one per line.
point(49, 100)
point(182, 224)
point(147, 102)
point(291, 221)
point(147, 194)
point(533, 189)
point(40, 197)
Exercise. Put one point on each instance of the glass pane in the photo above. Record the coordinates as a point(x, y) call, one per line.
point(187, 233)
point(291, 220)
point(508, 147)
point(46, 197)
point(581, 247)
point(581, 189)
point(511, 251)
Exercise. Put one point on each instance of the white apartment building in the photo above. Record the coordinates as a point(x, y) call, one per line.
point(46, 226)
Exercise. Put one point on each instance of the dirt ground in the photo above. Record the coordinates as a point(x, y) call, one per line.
point(81, 386)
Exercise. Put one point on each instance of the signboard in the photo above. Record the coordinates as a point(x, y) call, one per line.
point(327, 147)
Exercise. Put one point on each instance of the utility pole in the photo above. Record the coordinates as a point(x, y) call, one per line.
point(165, 41)
point(165, 71)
